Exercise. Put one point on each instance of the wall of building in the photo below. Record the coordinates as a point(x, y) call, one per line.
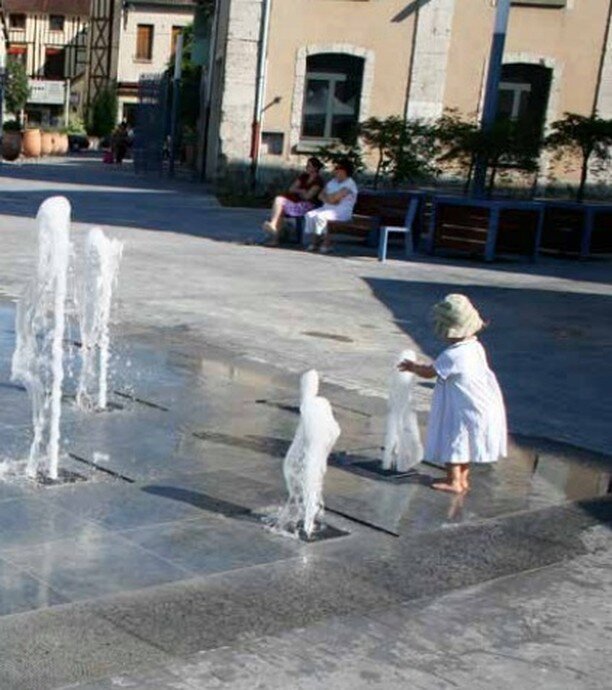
point(421, 58)
point(129, 67)
point(568, 40)
point(380, 32)
point(37, 37)
point(234, 84)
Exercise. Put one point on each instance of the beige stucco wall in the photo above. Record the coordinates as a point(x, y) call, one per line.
point(568, 40)
point(130, 69)
point(452, 44)
point(366, 28)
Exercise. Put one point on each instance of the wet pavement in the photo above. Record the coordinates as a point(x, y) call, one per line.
point(174, 478)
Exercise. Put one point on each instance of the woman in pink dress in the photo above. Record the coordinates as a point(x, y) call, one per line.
point(301, 198)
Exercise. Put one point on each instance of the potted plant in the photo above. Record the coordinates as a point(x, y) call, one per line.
point(11, 140)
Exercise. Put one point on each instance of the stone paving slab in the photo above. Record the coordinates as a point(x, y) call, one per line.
point(541, 629)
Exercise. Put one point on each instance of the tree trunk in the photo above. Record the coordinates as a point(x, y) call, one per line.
point(584, 173)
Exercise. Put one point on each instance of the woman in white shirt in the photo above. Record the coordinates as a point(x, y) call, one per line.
point(339, 198)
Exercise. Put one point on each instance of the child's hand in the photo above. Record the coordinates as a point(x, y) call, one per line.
point(406, 365)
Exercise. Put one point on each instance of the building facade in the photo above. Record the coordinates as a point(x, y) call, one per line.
point(149, 31)
point(50, 39)
point(290, 75)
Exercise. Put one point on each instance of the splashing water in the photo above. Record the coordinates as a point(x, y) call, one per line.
point(403, 448)
point(306, 460)
point(102, 258)
point(40, 324)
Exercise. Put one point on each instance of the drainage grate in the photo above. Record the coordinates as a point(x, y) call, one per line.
point(64, 477)
point(103, 470)
point(328, 336)
point(141, 401)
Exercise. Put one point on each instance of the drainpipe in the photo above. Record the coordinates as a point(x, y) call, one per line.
point(260, 88)
point(207, 75)
point(602, 62)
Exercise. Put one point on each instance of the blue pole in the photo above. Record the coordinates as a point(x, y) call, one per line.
point(176, 95)
point(489, 110)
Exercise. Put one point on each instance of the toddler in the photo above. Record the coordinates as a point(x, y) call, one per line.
point(467, 422)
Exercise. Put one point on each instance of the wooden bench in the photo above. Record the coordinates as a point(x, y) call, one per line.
point(375, 210)
point(485, 227)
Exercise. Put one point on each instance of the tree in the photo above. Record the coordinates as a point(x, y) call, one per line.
point(17, 90)
point(405, 148)
point(457, 144)
point(335, 152)
point(505, 146)
point(190, 81)
point(589, 137)
point(104, 112)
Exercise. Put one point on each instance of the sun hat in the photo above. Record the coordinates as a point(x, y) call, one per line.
point(456, 317)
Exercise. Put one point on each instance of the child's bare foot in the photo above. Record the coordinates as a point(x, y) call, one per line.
point(454, 488)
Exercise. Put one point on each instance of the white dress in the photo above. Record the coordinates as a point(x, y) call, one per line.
point(467, 422)
point(315, 221)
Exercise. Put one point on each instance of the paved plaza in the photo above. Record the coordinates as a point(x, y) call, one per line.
point(158, 572)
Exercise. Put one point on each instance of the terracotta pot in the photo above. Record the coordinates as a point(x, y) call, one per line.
point(46, 144)
point(63, 144)
point(11, 145)
point(55, 144)
point(31, 143)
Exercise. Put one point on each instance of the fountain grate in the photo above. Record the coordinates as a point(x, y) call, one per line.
point(64, 477)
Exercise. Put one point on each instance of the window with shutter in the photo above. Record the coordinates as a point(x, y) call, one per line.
point(144, 42)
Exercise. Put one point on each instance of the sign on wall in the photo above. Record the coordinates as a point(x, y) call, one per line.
point(45, 92)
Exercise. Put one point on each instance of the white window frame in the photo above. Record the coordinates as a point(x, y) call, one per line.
point(517, 89)
point(332, 78)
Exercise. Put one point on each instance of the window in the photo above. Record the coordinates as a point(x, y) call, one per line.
point(17, 21)
point(144, 42)
point(176, 31)
point(56, 22)
point(541, 3)
point(332, 96)
point(523, 96)
point(19, 53)
point(272, 143)
point(54, 63)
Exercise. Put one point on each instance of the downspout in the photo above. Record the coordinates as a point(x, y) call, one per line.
point(259, 89)
point(214, 40)
point(602, 61)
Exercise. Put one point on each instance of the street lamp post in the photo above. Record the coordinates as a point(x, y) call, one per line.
point(491, 97)
point(2, 78)
point(176, 95)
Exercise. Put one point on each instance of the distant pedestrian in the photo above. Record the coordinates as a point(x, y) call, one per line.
point(119, 143)
point(467, 422)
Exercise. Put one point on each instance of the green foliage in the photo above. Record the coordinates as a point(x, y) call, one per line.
point(75, 126)
point(16, 90)
point(405, 148)
point(190, 81)
point(11, 126)
point(588, 137)
point(104, 113)
point(335, 152)
point(504, 148)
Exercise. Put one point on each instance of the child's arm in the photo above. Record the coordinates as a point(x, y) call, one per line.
point(425, 371)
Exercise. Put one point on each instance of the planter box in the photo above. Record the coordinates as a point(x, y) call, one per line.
point(573, 228)
point(482, 227)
